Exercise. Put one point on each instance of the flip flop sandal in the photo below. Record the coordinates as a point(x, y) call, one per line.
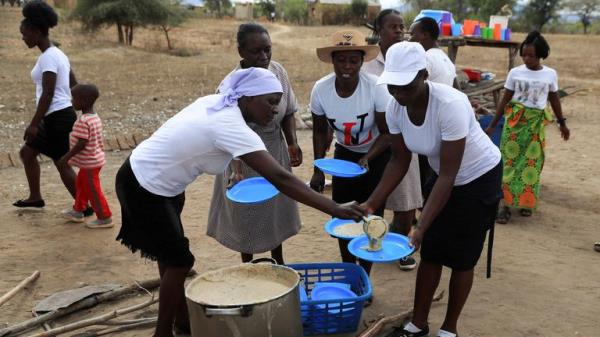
point(525, 212)
point(503, 216)
point(22, 203)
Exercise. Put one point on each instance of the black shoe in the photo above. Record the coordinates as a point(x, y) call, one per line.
point(22, 204)
point(88, 212)
point(400, 332)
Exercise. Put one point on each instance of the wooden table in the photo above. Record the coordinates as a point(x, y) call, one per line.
point(453, 42)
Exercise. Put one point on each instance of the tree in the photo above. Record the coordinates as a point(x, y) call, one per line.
point(484, 8)
point(265, 8)
point(359, 8)
point(125, 14)
point(176, 15)
point(538, 12)
point(585, 10)
point(218, 6)
point(295, 10)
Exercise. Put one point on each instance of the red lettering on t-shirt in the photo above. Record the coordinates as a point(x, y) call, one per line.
point(348, 133)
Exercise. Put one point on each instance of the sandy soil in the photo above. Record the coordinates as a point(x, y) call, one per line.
point(545, 277)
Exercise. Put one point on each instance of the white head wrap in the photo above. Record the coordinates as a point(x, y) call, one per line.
point(245, 82)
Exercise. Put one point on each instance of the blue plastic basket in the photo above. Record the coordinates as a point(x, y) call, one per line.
point(485, 120)
point(322, 317)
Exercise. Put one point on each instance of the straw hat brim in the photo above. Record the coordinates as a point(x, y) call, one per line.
point(370, 51)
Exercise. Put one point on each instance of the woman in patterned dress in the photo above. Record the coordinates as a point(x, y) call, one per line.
point(528, 87)
point(251, 229)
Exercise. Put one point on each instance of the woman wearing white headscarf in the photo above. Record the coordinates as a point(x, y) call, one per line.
point(202, 138)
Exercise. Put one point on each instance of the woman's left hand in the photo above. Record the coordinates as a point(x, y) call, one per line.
point(295, 153)
point(416, 237)
point(364, 162)
point(564, 132)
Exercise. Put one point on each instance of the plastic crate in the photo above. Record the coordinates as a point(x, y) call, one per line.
point(321, 317)
point(484, 121)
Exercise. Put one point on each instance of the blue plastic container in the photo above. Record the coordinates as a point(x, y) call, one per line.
point(435, 14)
point(484, 121)
point(333, 316)
point(456, 29)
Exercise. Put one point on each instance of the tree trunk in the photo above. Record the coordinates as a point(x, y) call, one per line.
point(585, 28)
point(131, 35)
point(166, 31)
point(120, 32)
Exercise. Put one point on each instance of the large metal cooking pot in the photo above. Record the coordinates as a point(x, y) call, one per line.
point(248, 300)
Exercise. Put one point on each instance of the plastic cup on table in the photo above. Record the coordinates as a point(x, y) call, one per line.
point(497, 32)
point(446, 29)
point(447, 17)
point(506, 35)
point(456, 29)
point(468, 26)
point(477, 30)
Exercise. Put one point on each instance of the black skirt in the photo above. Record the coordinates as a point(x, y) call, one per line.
point(151, 223)
point(52, 138)
point(358, 188)
point(456, 237)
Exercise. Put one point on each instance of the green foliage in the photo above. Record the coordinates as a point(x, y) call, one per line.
point(218, 7)
point(463, 9)
point(409, 17)
point(126, 15)
point(295, 11)
point(539, 12)
point(358, 9)
point(585, 9)
point(265, 8)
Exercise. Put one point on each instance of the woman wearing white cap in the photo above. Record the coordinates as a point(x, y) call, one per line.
point(349, 102)
point(202, 138)
point(437, 121)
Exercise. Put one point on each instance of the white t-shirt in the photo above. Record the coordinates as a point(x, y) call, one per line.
point(439, 67)
point(55, 61)
point(531, 87)
point(352, 118)
point(449, 117)
point(191, 143)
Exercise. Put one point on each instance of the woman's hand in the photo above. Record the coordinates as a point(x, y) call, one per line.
point(364, 162)
point(416, 237)
point(30, 133)
point(317, 182)
point(564, 132)
point(236, 173)
point(295, 153)
point(349, 210)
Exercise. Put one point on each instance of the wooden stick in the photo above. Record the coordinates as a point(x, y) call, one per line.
point(83, 304)
point(129, 321)
point(20, 286)
point(94, 320)
point(97, 333)
point(47, 326)
point(379, 324)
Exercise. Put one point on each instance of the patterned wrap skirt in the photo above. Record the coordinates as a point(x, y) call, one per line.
point(522, 146)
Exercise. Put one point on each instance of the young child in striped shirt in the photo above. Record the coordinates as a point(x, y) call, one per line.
point(87, 153)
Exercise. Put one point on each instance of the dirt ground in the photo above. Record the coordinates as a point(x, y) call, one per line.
point(546, 277)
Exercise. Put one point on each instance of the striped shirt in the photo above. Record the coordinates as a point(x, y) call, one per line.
point(88, 126)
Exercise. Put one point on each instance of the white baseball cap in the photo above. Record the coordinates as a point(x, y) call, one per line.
point(403, 61)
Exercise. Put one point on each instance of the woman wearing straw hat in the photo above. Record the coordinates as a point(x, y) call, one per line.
point(437, 120)
point(202, 138)
point(349, 102)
